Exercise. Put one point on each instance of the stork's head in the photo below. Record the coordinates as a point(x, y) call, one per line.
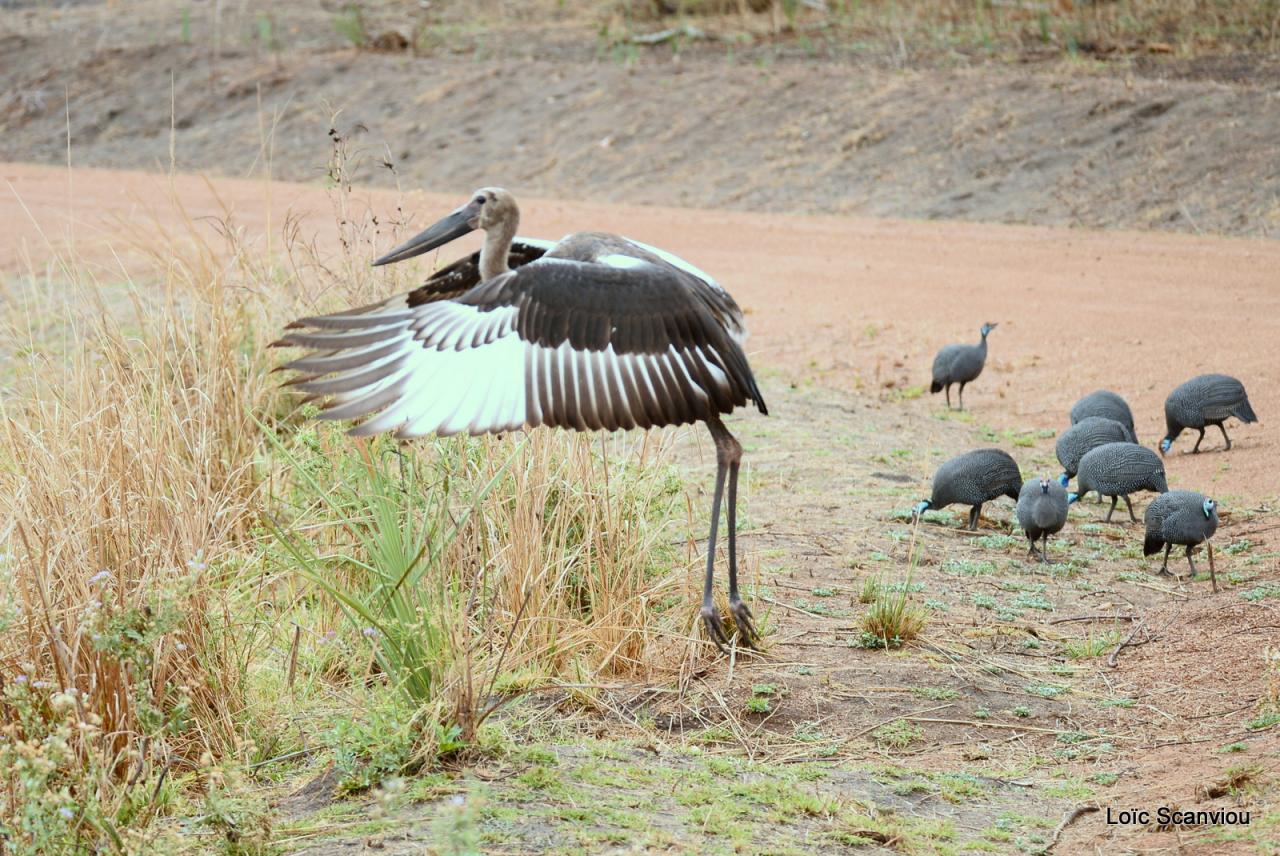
point(488, 208)
point(988, 327)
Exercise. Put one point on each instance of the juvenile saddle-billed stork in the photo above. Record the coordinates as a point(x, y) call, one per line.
point(594, 332)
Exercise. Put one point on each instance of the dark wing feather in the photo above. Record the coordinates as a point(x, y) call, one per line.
point(554, 342)
point(456, 279)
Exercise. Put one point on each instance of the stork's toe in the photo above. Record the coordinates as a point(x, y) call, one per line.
point(715, 628)
point(744, 621)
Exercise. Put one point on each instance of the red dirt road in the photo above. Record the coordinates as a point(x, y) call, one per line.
point(848, 302)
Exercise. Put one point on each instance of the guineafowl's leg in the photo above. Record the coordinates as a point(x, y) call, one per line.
point(1164, 568)
point(962, 394)
point(1196, 449)
point(710, 615)
point(1191, 562)
point(1044, 550)
point(1222, 426)
point(1129, 505)
point(1110, 510)
point(741, 612)
point(948, 391)
point(1032, 551)
point(973, 517)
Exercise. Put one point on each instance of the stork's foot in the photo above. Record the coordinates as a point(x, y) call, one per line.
point(1165, 572)
point(715, 627)
point(746, 627)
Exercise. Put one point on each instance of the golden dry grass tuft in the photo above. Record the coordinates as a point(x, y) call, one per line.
point(195, 576)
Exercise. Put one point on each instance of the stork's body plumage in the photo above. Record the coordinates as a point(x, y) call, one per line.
point(594, 332)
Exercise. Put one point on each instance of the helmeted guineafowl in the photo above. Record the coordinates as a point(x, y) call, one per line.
point(1209, 399)
point(1042, 511)
point(1181, 517)
point(959, 364)
point(1107, 404)
point(1085, 435)
point(1117, 470)
point(972, 479)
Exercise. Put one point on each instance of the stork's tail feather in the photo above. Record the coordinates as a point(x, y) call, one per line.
point(1151, 544)
point(1244, 412)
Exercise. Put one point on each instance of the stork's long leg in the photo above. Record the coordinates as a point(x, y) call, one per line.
point(741, 612)
point(710, 615)
point(1222, 426)
point(1196, 449)
point(1129, 505)
point(728, 458)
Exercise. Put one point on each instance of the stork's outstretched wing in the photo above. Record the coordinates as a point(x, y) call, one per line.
point(621, 343)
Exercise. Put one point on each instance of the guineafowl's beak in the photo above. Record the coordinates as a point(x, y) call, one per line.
point(449, 228)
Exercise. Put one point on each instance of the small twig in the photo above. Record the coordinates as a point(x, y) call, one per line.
point(1095, 618)
point(1213, 575)
point(1127, 641)
point(1067, 819)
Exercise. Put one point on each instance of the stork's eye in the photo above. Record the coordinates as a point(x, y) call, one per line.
point(479, 200)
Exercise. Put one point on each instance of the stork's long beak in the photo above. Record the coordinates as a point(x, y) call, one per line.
point(449, 228)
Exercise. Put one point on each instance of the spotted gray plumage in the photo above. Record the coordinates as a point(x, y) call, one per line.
point(1085, 435)
point(972, 479)
point(1180, 517)
point(1117, 470)
point(1209, 399)
point(1042, 511)
point(959, 364)
point(1107, 404)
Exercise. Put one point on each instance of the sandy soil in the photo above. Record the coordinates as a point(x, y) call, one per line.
point(861, 305)
point(845, 314)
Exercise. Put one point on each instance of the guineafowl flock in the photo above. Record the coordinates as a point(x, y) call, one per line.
point(1100, 450)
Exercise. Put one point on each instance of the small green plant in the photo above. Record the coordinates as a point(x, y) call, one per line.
point(1093, 645)
point(870, 590)
point(898, 734)
point(892, 617)
point(349, 23)
point(1022, 711)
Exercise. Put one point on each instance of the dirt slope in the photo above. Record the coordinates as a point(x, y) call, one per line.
point(536, 109)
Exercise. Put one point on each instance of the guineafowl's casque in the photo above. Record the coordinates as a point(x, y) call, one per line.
point(1117, 470)
point(959, 364)
point(1107, 404)
point(1181, 517)
point(1084, 436)
point(1042, 511)
point(972, 479)
point(1209, 399)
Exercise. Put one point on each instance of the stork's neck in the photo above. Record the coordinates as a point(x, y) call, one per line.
point(497, 246)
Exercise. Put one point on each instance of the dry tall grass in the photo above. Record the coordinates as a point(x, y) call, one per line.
point(156, 625)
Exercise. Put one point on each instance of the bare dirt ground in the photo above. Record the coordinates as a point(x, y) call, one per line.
point(845, 314)
point(547, 101)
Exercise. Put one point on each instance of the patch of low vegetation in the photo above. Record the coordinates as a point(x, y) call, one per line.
point(892, 618)
point(202, 584)
point(898, 734)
